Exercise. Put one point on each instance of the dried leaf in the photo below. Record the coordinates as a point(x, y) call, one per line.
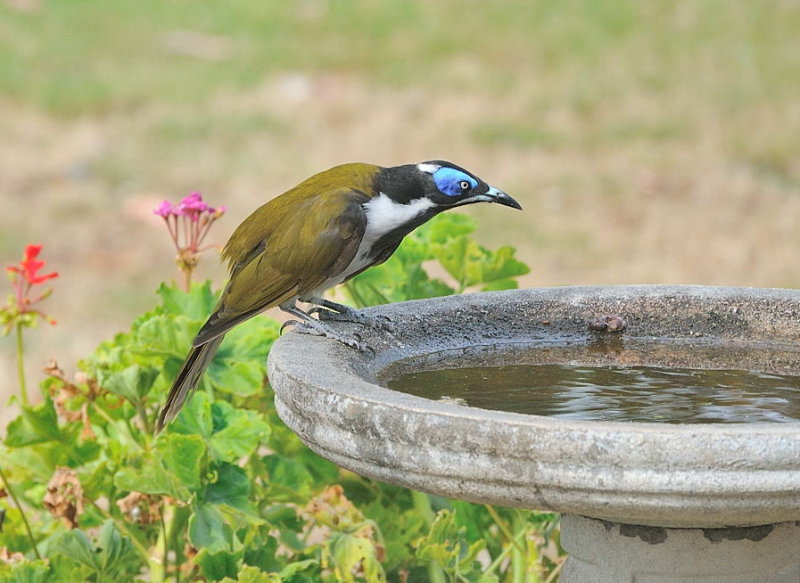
point(140, 508)
point(10, 558)
point(64, 497)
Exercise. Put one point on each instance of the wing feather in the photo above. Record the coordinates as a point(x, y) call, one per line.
point(301, 252)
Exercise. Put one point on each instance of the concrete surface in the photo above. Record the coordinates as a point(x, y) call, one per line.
point(605, 552)
point(691, 476)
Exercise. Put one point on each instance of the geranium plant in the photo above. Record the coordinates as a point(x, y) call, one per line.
point(22, 311)
point(227, 492)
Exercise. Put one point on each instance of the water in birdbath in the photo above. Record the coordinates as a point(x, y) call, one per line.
point(611, 382)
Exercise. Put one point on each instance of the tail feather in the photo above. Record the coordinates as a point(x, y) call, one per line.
point(194, 366)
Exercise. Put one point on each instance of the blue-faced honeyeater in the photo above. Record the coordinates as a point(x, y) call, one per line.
point(320, 233)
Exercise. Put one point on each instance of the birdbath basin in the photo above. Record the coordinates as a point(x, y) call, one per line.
point(640, 501)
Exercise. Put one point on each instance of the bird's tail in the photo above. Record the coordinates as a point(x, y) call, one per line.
point(193, 368)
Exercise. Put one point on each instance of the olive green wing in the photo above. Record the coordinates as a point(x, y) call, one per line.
point(312, 241)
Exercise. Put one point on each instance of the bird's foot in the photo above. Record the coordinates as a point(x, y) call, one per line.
point(319, 329)
point(353, 316)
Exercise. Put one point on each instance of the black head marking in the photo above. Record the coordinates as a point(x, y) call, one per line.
point(401, 183)
point(412, 181)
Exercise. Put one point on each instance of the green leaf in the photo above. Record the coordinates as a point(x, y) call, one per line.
point(207, 529)
point(133, 382)
point(197, 304)
point(230, 433)
point(252, 339)
point(399, 529)
point(475, 519)
point(296, 478)
point(55, 569)
point(240, 433)
point(260, 550)
point(500, 285)
point(107, 558)
point(354, 554)
point(150, 477)
point(428, 288)
point(447, 544)
point(298, 567)
point(499, 265)
point(240, 365)
point(36, 424)
point(470, 264)
point(254, 575)
point(218, 565)
point(113, 548)
point(27, 572)
point(446, 226)
point(195, 417)
point(166, 336)
point(182, 456)
point(65, 570)
point(401, 278)
point(232, 488)
point(239, 377)
point(455, 254)
point(283, 517)
point(38, 461)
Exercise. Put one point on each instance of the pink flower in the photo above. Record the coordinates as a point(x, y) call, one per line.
point(217, 212)
point(165, 209)
point(192, 206)
point(186, 228)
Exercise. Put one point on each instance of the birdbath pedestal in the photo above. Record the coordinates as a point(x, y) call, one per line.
point(640, 502)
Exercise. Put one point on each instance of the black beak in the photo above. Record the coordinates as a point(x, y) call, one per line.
point(500, 197)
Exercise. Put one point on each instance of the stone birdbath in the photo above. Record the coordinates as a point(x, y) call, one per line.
point(640, 502)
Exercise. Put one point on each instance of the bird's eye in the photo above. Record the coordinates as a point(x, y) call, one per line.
point(464, 185)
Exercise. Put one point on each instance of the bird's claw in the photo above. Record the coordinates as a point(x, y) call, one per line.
point(353, 341)
point(288, 323)
point(354, 317)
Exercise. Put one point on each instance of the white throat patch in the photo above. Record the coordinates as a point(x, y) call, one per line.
point(385, 215)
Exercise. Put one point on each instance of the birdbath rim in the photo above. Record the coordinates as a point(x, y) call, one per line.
point(673, 475)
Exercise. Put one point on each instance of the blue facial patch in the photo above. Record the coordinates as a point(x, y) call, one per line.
point(448, 180)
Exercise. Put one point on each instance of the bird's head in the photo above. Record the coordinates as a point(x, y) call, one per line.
point(442, 183)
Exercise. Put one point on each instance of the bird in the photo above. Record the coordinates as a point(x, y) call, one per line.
point(316, 235)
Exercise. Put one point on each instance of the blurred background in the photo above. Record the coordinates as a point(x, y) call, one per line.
point(649, 142)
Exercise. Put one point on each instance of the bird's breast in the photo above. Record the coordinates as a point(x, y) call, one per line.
point(384, 216)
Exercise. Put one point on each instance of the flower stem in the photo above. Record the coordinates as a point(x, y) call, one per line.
point(422, 505)
point(187, 279)
point(7, 486)
point(160, 565)
point(23, 390)
point(503, 527)
point(158, 562)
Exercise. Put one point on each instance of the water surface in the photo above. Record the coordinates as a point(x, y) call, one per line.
point(612, 392)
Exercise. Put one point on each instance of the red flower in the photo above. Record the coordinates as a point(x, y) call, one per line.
point(21, 307)
point(29, 266)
